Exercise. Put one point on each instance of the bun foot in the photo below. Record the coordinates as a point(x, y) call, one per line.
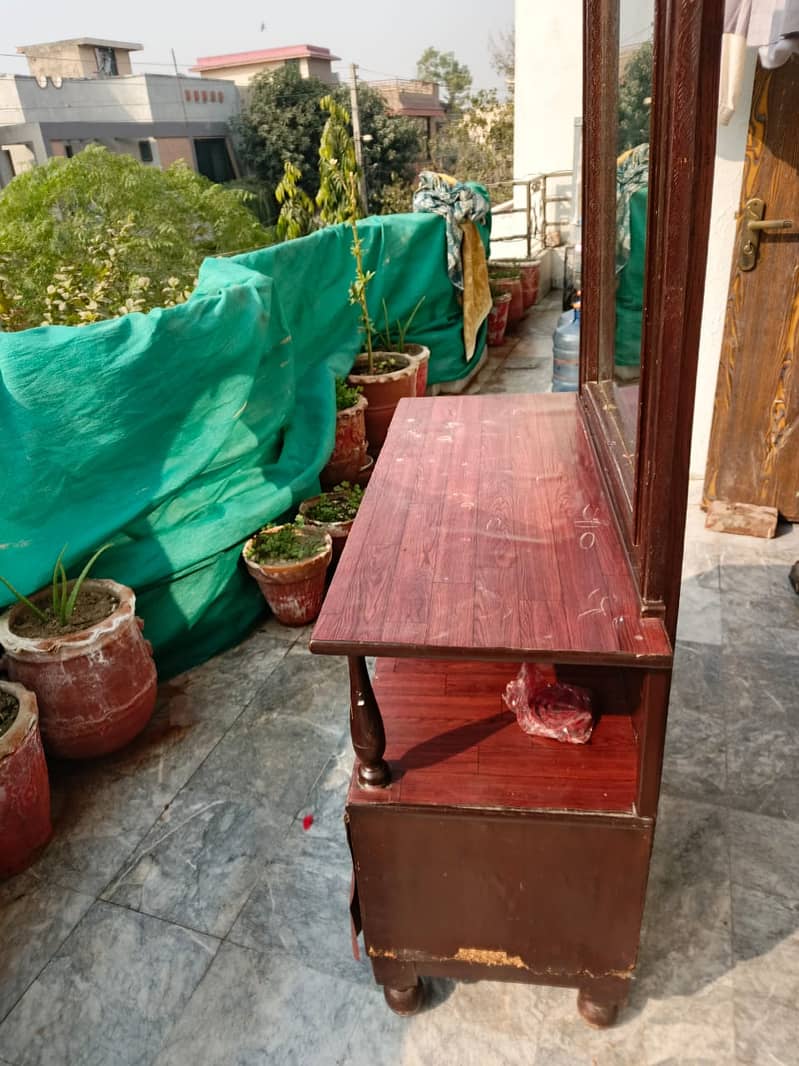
point(405, 1001)
point(599, 1015)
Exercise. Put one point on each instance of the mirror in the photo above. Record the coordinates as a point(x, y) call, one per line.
point(634, 101)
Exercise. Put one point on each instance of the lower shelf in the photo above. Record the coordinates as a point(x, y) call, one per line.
point(450, 741)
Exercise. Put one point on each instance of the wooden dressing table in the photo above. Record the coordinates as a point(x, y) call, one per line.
point(501, 529)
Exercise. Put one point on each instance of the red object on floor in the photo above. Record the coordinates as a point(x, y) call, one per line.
point(307, 821)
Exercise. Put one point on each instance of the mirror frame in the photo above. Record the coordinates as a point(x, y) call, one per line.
point(648, 489)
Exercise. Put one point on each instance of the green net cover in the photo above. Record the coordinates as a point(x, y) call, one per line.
point(630, 287)
point(175, 434)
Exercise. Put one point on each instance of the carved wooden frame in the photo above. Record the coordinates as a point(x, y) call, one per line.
point(649, 490)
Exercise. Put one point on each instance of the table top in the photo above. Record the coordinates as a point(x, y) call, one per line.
point(485, 533)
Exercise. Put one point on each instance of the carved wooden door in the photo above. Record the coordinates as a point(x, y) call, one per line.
point(754, 446)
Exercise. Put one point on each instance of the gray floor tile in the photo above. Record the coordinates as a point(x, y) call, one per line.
point(35, 919)
point(764, 854)
point(301, 907)
point(110, 994)
point(765, 1032)
point(766, 945)
point(257, 1009)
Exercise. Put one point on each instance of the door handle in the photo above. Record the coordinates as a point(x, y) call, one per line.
point(753, 225)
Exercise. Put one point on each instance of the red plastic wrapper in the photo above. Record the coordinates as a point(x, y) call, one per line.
point(545, 708)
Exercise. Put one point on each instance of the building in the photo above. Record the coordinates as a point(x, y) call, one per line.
point(80, 57)
point(157, 118)
point(417, 100)
point(241, 67)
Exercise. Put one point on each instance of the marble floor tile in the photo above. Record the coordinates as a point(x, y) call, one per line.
point(696, 1028)
point(256, 1009)
point(766, 946)
point(109, 995)
point(695, 758)
point(35, 919)
point(762, 731)
point(765, 1032)
point(462, 1024)
point(764, 854)
point(696, 680)
point(201, 860)
point(700, 617)
point(760, 610)
point(326, 800)
point(300, 906)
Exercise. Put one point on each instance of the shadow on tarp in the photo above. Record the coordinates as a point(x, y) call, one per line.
point(177, 433)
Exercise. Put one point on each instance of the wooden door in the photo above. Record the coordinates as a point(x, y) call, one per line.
point(754, 444)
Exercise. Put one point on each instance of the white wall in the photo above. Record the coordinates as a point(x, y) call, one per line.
point(728, 174)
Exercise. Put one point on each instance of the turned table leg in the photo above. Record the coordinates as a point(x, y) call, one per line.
point(366, 728)
point(405, 1001)
point(599, 1003)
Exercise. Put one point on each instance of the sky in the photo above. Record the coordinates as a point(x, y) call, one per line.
point(384, 39)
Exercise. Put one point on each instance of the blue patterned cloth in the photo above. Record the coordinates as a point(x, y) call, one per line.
point(441, 195)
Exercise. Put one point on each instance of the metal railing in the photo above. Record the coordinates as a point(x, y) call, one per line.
point(537, 200)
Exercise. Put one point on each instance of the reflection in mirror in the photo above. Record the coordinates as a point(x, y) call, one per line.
point(632, 181)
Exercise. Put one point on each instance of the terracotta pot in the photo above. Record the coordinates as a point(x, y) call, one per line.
point(24, 787)
point(349, 449)
point(498, 319)
point(95, 688)
point(514, 287)
point(366, 471)
point(384, 392)
point(421, 353)
point(529, 272)
point(339, 531)
point(293, 590)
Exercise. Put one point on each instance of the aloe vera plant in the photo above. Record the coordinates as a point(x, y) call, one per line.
point(64, 596)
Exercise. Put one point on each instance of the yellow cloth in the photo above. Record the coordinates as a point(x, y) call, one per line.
point(476, 290)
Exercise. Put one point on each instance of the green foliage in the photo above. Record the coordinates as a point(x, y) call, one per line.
point(396, 198)
point(339, 505)
point(346, 395)
point(100, 235)
point(478, 146)
point(502, 50)
point(338, 170)
point(64, 594)
point(286, 544)
point(9, 709)
point(359, 286)
point(635, 88)
point(444, 68)
point(393, 336)
point(296, 217)
point(281, 120)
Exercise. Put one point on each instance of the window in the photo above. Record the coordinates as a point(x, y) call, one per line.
point(145, 151)
point(69, 151)
point(106, 62)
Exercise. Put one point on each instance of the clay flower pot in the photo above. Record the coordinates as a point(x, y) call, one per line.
point(421, 353)
point(514, 287)
point(339, 531)
point(24, 786)
point(293, 589)
point(96, 687)
point(498, 319)
point(366, 471)
point(529, 271)
point(384, 392)
point(349, 450)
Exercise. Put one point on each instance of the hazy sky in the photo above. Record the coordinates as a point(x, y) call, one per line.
point(385, 39)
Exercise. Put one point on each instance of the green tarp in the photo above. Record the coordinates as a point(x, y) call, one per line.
point(176, 434)
point(630, 287)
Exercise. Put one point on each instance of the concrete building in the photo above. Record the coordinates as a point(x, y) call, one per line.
point(80, 57)
point(310, 60)
point(417, 100)
point(157, 118)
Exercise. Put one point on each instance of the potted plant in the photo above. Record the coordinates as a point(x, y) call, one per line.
point(78, 645)
point(334, 512)
point(508, 279)
point(289, 563)
point(349, 450)
point(24, 786)
point(529, 271)
point(394, 338)
point(498, 317)
point(385, 377)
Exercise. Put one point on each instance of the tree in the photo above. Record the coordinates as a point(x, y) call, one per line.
point(338, 169)
point(100, 235)
point(296, 218)
point(444, 68)
point(635, 92)
point(478, 146)
point(283, 120)
point(502, 50)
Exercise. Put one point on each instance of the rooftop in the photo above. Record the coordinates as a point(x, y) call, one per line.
point(94, 42)
point(265, 55)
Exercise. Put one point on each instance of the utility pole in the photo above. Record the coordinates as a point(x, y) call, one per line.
point(356, 136)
